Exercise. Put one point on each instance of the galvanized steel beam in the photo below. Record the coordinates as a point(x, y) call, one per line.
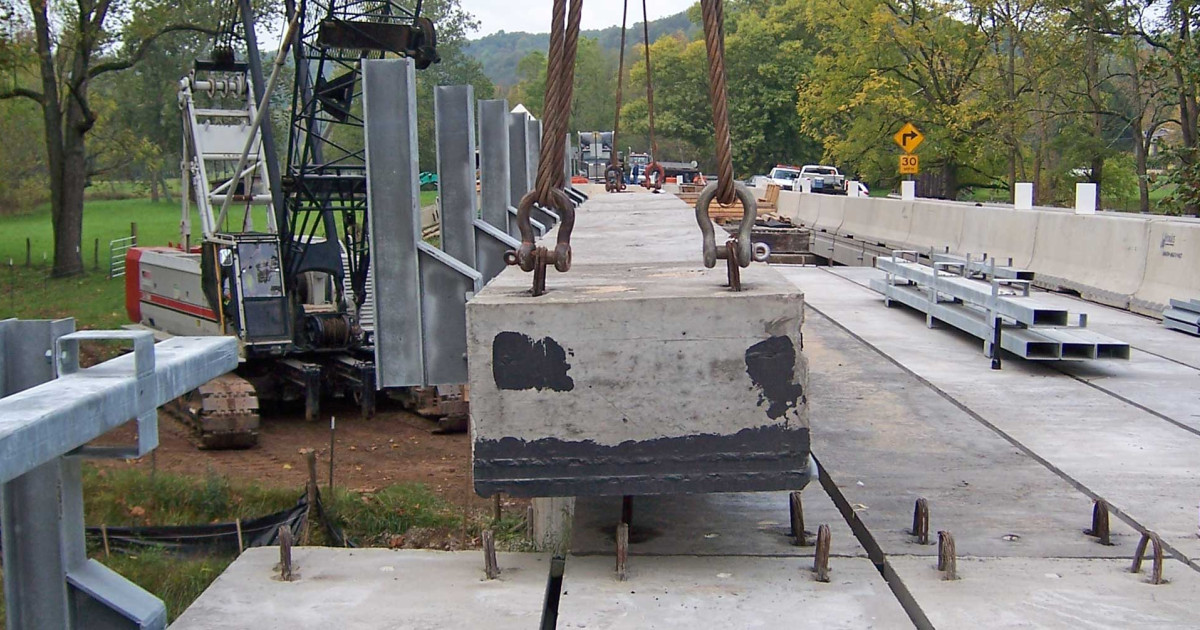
point(394, 219)
point(40, 424)
point(465, 237)
point(1025, 310)
point(455, 128)
point(420, 291)
point(494, 169)
point(533, 151)
point(494, 184)
point(519, 181)
point(1042, 343)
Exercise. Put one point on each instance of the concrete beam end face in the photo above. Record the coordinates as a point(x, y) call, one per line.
point(638, 379)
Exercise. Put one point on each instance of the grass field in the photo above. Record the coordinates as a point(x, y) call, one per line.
point(95, 301)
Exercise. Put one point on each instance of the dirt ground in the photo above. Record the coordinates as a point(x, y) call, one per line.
point(394, 446)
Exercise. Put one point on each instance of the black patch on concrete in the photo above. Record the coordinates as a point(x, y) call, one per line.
point(519, 362)
point(752, 460)
point(771, 365)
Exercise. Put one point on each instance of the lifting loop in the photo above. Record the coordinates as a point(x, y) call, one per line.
point(725, 190)
point(614, 177)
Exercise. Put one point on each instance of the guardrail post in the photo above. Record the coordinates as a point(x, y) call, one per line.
point(420, 318)
point(455, 138)
point(49, 582)
point(474, 242)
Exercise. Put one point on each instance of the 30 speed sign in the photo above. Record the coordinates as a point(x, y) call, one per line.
point(909, 165)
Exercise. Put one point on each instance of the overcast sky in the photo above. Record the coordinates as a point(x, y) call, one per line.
point(533, 16)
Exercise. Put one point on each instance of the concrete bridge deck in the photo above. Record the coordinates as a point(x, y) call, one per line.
point(1008, 460)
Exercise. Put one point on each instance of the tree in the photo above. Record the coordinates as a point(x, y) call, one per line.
point(69, 45)
point(23, 160)
point(594, 86)
point(881, 63)
point(1167, 28)
point(766, 52)
point(1146, 93)
point(681, 109)
point(530, 89)
point(456, 68)
point(153, 86)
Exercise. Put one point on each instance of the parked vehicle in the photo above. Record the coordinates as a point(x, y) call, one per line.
point(824, 179)
point(784, 176)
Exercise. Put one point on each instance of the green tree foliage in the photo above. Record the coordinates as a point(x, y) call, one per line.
point(881, 64)
point(501, 53)
point(594, 85)
point(681, 108)
point(530, 90)
point(53, 54)
point(22, 156)
point(766, 51)
point(456, 68)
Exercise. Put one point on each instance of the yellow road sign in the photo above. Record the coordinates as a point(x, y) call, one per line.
point(909, 138)
point(909, 165)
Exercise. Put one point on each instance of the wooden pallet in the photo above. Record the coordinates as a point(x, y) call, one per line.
point(722, 214)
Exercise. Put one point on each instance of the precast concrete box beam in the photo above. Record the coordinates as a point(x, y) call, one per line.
point(637, 377)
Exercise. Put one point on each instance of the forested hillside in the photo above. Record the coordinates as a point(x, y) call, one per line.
point(501, 52)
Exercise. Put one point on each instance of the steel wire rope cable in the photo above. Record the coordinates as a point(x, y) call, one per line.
point(614, 170)
point(725, 190)
point(227, 17)
point(653, 166)
point(549, 190)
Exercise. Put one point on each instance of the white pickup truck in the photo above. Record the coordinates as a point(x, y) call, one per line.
point(785, 177)
point(823, 179)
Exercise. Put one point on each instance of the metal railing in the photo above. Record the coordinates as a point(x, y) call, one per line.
point(50, 408)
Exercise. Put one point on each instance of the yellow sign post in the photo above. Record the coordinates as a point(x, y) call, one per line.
point(909, 138)
point(909, 165)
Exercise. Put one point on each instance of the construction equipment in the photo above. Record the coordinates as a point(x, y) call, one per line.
point(282, 263)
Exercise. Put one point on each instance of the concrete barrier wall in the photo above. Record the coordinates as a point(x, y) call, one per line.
point(1103, 258)
point(1172, 265)
point(877, 221)
point(1131, 261)
point(935, 226)
point(1001, 233)
point(831, 212)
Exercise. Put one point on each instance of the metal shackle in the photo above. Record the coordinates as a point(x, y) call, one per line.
point(657, 182)
point(745, 250)
point(562, 206)
point(614, 179)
